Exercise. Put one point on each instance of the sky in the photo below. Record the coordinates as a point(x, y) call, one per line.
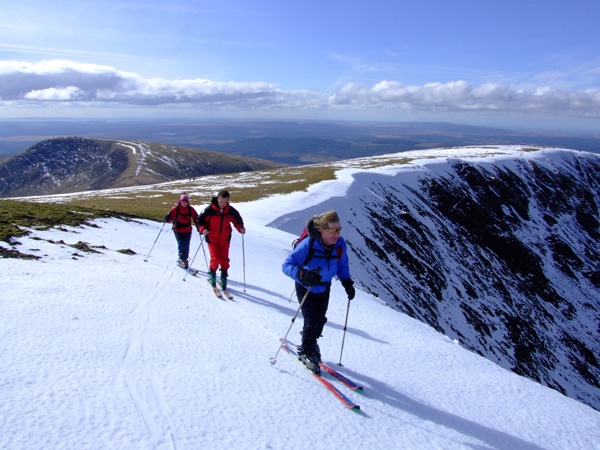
point(508, 63)
point(109, 350)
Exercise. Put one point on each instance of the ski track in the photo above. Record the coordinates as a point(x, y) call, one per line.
point(140, 378)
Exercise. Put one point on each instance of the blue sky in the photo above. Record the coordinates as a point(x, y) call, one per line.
point(533, 64)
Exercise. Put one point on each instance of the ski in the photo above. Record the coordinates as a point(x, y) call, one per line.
point(347, 381)
point(193, 272)
point(220, 293)
point(215, 289)
point(335, 391)
point(331, 371)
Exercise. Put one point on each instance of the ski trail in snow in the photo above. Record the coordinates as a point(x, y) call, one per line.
point(134, 147)
point(141, 160)
point(140, 379)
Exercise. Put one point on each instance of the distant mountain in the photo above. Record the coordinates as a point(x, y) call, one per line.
point(290, 142)
point(346, 140)
point(309, 150)
point(75, 164)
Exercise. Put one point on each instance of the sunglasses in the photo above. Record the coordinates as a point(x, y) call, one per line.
point(334, 230)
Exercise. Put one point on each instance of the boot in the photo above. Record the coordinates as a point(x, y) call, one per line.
point(224, 278)
point(311, 362)
point(317, 352)
point(212, 277)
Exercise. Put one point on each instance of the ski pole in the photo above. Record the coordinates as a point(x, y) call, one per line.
point(192, 263)
point(244, 262)
point(273, 360)
point(146, 260)
point(204, 251)
point(344, 336)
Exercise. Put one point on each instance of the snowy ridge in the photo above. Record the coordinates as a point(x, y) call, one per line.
point(500, 253)
point(108, 351)
point(135, 146)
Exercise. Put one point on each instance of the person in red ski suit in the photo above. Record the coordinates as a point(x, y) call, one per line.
point(183, 215)
point(215, 224)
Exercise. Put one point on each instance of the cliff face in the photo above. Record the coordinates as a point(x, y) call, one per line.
point(502, 256)
point(73, 164)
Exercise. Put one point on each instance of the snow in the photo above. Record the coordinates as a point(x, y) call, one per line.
point(109, 351)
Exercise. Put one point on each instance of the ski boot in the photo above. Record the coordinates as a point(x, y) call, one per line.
point(212, 278)
point(312, 361)
point(224, 279)
point(317, 351)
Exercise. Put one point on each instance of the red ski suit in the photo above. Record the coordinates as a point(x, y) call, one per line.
point(218, 223)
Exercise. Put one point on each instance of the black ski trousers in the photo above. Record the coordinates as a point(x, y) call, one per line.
point(313, 311)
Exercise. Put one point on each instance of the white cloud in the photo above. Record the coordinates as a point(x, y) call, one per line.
point(60, 80)
point(54, 94)
point(457, 96)
point(64, 82)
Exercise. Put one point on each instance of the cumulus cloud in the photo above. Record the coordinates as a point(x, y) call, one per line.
point(60, 81)
point(67, 81)
point(457, 96)
point(60, 94)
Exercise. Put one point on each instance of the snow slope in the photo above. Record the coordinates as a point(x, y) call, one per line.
point(108, 351)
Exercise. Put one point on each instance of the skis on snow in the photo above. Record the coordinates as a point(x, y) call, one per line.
point(215, 289)
point(292, 350)
point(334, 373)
point(193, 272)
point(330, 370)
point(219, 293)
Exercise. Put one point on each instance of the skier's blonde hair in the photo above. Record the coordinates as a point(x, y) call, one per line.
point(323, 220)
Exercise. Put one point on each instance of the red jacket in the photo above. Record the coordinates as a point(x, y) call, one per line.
point(219, 223)
point(182, 218)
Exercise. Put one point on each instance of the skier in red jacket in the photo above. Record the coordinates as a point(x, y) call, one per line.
point(215, 224)
point(183, 215)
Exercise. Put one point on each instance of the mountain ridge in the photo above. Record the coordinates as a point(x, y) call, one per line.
point(75, 164)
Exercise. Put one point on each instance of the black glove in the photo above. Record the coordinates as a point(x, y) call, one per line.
point(167, 218)
point(349, 286)
point(309, 277)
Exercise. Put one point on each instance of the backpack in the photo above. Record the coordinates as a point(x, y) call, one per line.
point(311, 248)
point(176, 223)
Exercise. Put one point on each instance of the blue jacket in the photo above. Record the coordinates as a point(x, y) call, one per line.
point(326, 259)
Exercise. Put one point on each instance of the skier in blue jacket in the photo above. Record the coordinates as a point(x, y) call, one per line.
point(313, 264)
